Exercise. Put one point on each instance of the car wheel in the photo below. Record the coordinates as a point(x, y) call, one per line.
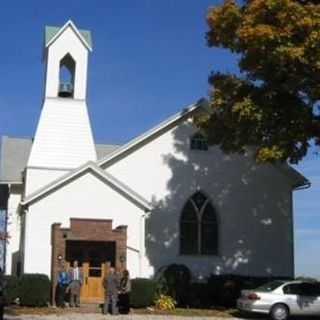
point(279, 312)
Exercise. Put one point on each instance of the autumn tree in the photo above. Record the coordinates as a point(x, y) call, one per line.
point(272, 104)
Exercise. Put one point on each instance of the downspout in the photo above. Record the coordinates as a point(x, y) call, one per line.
point(23, 238)
point(4, 266)
point(142, 242)
point(304, 186)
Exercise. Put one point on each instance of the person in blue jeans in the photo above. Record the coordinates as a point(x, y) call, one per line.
point(63, 283)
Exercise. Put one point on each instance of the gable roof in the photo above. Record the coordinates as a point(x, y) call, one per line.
point(14, 155)
point(187, 112)
point(53, 33)
point(90, 166)
point(103, 149)
point(15, 151)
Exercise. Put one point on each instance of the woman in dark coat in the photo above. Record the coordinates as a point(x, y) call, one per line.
point(124, 297)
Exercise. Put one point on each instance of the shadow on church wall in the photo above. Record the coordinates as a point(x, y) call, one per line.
point(252, 204)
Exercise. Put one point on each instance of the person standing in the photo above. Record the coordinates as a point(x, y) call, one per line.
point(63, 283)
point(76, 279)
point(111, 284)
point(125, 288)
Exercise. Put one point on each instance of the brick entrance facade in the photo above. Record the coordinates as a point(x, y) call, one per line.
point(86, 230)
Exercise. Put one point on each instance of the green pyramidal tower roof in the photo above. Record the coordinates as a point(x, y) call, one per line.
point(50, 32)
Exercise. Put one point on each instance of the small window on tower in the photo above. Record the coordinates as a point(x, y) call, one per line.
point(198, 142)
point(66, 77)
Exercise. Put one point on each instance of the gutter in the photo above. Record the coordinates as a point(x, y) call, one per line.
point(11, 182)
point(305, 185)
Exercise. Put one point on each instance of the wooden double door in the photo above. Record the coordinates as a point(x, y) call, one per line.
point(95, 257)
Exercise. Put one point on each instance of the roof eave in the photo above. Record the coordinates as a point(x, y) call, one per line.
point(75, 29)
point(11, 182)
point(298, 180)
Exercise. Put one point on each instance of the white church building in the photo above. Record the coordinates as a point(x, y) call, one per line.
point(165, 197)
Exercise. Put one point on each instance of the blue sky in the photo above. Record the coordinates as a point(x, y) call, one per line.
point(149, 61)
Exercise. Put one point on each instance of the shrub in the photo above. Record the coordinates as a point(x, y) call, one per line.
point(165, 302)
point(12, 289)
point(177, 278)
point(201, 296)
point(34, 290)
point(142, 293)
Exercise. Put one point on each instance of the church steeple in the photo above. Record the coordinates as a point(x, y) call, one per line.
point(66, 51)
point(63, 140)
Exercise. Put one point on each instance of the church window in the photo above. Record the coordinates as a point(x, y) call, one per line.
point(198, 227)
point(198, 142)
point(66, 76)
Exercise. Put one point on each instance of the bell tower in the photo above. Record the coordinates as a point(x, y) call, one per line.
point(63, 139)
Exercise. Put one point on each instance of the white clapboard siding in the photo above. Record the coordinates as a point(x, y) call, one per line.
point(85, 197)
point(37, 178)
point(63, 138)
point(253, 205)
point(13, 230)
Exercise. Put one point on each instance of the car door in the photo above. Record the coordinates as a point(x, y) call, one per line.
point(316, 310)
point(294, 298)
point(311, 298)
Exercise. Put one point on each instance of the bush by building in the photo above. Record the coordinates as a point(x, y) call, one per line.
point(175, 280)
point(11, 289)
point(34, 290)
point(143, 292)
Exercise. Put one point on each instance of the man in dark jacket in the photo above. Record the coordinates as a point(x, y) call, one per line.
point(111, 285)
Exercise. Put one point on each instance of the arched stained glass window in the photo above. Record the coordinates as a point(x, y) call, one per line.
point(189, 229)
point(198, 227)
point(198, 142)
point(209, 236)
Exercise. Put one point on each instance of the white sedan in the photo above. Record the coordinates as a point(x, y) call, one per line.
point(281, 299)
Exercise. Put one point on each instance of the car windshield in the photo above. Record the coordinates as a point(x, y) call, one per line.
point(270, 286)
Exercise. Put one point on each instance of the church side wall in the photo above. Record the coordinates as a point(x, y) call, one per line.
point(85, 197)
point(253, 205)
point(13, 229)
